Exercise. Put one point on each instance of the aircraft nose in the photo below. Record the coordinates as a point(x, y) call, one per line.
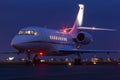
point(16, 43)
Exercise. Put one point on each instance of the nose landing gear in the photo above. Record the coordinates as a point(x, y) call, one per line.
point(28, 56)
point(36, 60)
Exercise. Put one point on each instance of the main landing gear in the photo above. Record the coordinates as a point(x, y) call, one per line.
point(77, 60)
point(36, 60)
point(28, 56)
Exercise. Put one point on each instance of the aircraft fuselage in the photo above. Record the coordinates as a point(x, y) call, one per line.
point(47, 40)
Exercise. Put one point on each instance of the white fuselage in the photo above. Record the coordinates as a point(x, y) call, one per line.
point(35, 39)
point(52, 42)
point(47, 40)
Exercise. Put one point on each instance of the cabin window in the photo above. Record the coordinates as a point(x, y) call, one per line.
point(27, 32)
point(52, 37)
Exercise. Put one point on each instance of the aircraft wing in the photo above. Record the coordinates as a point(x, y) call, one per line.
point(88, 51)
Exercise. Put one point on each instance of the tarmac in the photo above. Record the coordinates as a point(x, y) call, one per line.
point(58, 63)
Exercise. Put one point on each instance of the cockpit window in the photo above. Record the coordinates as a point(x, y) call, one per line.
point(27, 32)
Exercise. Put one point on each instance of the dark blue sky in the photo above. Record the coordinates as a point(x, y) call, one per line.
point(16, 14)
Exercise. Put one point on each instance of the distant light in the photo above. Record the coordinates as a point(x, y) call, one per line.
point(66, 59)
point(42, 60)
point(69, 63)
point(51, 59)
point(22, 59)
point(11, 58)
point(94, 62)
point(28, 50)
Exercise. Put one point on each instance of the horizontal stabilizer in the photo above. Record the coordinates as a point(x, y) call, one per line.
point(91, 28)
point(94, 28)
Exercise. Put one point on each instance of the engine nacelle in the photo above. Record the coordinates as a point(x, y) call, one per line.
point(84, 38)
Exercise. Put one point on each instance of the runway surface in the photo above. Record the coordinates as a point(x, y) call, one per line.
point(59, 72)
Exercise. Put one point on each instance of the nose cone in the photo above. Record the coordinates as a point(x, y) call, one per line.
point(16, 43)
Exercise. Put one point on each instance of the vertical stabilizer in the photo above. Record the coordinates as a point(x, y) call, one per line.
point(78, 22)
point(80, 15)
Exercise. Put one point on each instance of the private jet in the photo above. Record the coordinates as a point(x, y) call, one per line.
point(49, 42)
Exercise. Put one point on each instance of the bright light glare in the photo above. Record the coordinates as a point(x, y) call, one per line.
point(42, 60)
point(64, 31)
point(28, 32)
point(94, 62)
point(81, 5)
point(35, 33)
point(10, 58)
point(80, 14)
point(69, 63)
point(41, 53)
point(93, 28)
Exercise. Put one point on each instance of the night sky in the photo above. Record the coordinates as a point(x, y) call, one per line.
point(57, 14)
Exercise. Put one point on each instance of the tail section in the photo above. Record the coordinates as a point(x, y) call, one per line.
point(78, 21)
point(78, 24)
point(80, 15)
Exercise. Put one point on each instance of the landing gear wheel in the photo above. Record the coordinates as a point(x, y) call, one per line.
point(36, 60)
point(77, 60)
point(28, 61)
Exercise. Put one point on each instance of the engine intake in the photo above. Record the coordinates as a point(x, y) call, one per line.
point(84, 38)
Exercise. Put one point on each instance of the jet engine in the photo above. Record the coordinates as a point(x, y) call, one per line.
point(84, 38)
